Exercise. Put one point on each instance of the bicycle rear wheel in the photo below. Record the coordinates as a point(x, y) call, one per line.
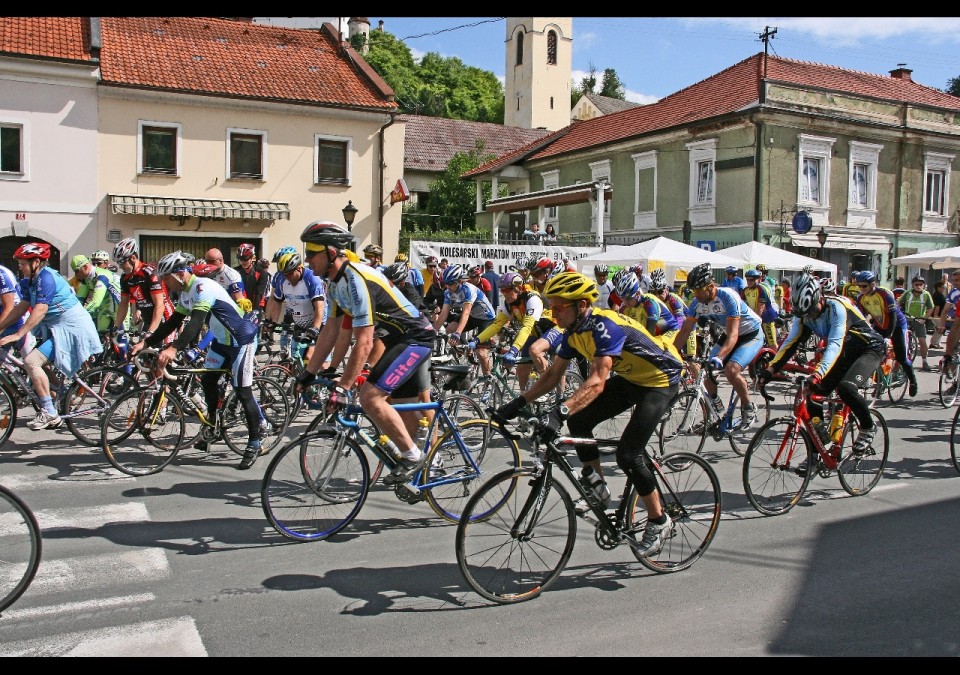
point(955, 441)
point(275, 408)
point(947, 389)
point(740, 438)
point(315, 486)
point(487, 392)
point(493, 451)
point(142, 431)
point(690, 494)
point(87, 414)
point(859, 474)
point(522, 541)
point(21, 545)
point(684, 427)
point(8, 413)
point(770, 466)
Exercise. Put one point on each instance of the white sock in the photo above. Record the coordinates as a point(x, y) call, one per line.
point(413, 454)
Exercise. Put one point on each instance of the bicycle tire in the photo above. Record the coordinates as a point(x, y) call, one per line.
point(8, 413)
point(494, 452)
point(947, 387)
point(507, 568)
point(375, 463)
point(770, 466)
point(109, 383)
point(143, 431)
point(315, 486)
point(692, 498)
point(21, 547)
point(897, 383)
point(283, 375)
point(488, 392)
point(684, 426)
point(955, 441)
point(275, 407)
point(860, 474)
point(740, 438)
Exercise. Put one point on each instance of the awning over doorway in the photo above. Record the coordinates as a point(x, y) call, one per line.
point(863, 242)
point(570, 194)
point(139, 205)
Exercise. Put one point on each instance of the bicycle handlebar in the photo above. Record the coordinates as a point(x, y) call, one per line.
point(149, 368)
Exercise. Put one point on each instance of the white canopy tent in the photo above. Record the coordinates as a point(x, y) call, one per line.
point(944, 258)
point(752, 253)
point(663, 252)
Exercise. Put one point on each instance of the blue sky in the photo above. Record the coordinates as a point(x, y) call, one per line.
point(655, 57)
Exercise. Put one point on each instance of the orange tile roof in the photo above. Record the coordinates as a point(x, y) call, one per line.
point(54, 37)
point(237, 58)
point(725, 93)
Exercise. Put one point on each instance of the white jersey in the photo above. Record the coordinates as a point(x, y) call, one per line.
point(605, 289)
point(298, 298)
point(229, 279)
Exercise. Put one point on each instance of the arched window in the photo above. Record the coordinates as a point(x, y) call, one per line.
point(519, 49)
point(552, 48)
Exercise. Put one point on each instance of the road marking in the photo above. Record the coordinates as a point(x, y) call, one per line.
point(101, 571)
point(73, 607)
point(171, 637)
point(23, 481)
point(92, 518)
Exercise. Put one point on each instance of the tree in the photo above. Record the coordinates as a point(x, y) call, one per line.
point(953, 86)
point(612, 87)
point(453, 198)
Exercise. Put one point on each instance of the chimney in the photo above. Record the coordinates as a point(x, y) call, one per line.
point(380, 25)
point(902, 72)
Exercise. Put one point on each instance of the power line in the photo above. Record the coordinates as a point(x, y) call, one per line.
point(447, 30)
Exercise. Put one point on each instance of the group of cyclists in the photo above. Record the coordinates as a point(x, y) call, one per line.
point(631, 331)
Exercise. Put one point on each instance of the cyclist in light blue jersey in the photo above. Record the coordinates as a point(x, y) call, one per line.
point(9, 298)
point(728, 311)
point(473, 308)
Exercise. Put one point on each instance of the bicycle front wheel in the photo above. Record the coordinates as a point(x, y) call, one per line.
point(947, 389)
point(86, 412)
point(773, 479)
point(452, 480)
point(859, 473)
point(523, 541)
point(142, 431)
point(955, 441)
point(690, 494)
point(315, 486)
point(367, 425)
point(684, 426)
point(20, 547)
point(8, 413)
point(896, 383)
point(275, 408)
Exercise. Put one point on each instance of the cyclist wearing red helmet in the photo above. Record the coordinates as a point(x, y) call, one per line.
point(66, 334)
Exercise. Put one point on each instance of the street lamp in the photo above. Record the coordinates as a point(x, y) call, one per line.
point(822, 238)
point(349, 214)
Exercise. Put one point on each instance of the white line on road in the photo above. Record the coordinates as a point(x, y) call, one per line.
point(171, 637)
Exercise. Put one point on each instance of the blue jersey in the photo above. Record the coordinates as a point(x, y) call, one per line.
point(8, 284)
point(467, 292)
point(726, 303)
point(226, 320)
point(50, 289)
point(298, 298)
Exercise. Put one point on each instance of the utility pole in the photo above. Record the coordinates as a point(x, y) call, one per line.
point(765, 37)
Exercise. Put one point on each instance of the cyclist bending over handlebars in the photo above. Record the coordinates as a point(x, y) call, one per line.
point(647, 372)
point(853, 352)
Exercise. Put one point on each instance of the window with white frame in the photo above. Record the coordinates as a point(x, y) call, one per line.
point(862, 193)
point(246, 154)
point(551, 180)
point(936, 183)
point(11, 149)
point(645, 189)
point(813, 188)
point(600, 171)
point(332, 159)
point(158, 145)
point(702, 203)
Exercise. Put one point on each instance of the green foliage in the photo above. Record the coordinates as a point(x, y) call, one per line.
point(456, 198)
point(612, 87)
point(953, 86)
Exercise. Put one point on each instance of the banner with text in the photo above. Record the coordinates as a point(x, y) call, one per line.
point(502, 255)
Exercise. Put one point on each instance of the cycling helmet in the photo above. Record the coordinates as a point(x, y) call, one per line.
point(263, 263)
point(401, 257)
point(867, 277)
point(202, 268)
point(808, 269)
point(628, 285)
point(322, 233)
point(601, 269)
point(373, 249)
point(521, 263)
point(124, 249)
point(761, 267)
point(572, 286)
point(700, 276)
point(100, 256)
point(289, 262)
point(658, 280)
point(752, 274)
point(475, 271)
point(453, 274)
point(731, 269)
point(78, 261)
point(828, 285)
point(397, 272)
point(510, 280)
point(174, 262)
point(805, 294)
point(286, 250)
point(541, 264)
point(246, 251)
point(918, 280)
point(33, 251)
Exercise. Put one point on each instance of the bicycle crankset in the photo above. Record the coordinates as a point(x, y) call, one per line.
point(407, 495)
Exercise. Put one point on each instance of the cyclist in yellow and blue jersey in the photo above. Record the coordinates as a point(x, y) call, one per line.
point(644, 307)
point(628, 367)
point(887, 319)
point(758, 298)
point(852, 353)
point(851, 289)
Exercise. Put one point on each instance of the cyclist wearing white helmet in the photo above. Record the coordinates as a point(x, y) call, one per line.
point(852, 354)
point(296, 295)
point(604, 285)
point(474, 311)
point(646, 308)
point(727, 310)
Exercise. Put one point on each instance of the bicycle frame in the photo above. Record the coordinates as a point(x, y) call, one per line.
point(12, 370)
point(829, 457)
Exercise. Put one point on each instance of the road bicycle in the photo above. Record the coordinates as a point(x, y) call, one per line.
point(890, 377)
point(786, 453)
point(502, 385)
point(955, 441)
point(518, 531)
point(947, 385)
point(21, 546)
point(146, 427)
point(82, 400)
point(287, 365)
point(316, 485)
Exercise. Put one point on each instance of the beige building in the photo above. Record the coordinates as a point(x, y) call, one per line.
point(539, 58)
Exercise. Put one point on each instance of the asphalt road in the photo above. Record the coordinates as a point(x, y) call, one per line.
point(184, 563)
